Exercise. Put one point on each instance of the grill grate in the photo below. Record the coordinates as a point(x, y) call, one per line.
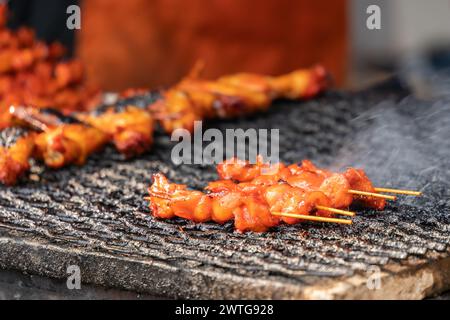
point(95, 215)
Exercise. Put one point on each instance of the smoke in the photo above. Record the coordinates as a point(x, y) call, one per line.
point(404, 144)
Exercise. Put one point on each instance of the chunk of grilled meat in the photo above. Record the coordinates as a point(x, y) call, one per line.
point(129, 127)
point(64, 140)
point(178, 111)
point(16, 148)
point(300, 84)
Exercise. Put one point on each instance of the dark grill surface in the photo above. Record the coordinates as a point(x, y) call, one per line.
point(9, 136)
point(95, 215)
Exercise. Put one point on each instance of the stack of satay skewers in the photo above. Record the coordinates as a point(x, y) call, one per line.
point(36, 73)
point(58, 136)
point(46, 113)
point(59, 139)
point(260, 196)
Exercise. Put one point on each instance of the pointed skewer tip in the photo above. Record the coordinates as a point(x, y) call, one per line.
point(372, 194)
point(312, 218)
point(337, 211)
point(399, 191)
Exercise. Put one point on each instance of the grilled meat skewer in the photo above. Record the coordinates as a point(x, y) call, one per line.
point(260, 196)
point(231, 96)
point(249, 205)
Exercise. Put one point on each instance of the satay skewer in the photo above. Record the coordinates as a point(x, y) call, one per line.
point(318, 207)
point(323, 208)
point(253, 199)
point(399, 191)
point(312, 218)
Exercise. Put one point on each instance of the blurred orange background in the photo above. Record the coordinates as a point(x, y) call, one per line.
point(139, 43)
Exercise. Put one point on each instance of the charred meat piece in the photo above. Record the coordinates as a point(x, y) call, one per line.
point(130, 127)
point(243, 171)
point(358, 180)
point(16, 148)
point(300, 84)
point(127, 120)
point(170, 200)
point(178, 111)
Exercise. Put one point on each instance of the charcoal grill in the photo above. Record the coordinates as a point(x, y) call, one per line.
point(95, 216)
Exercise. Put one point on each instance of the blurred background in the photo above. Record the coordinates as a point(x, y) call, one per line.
point(139, 43)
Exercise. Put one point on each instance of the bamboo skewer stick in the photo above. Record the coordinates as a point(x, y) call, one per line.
point(312, 218)
point(372, 194)
point(337, 211)
point(315, 218)
point(399, 191)
point(333, 210)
